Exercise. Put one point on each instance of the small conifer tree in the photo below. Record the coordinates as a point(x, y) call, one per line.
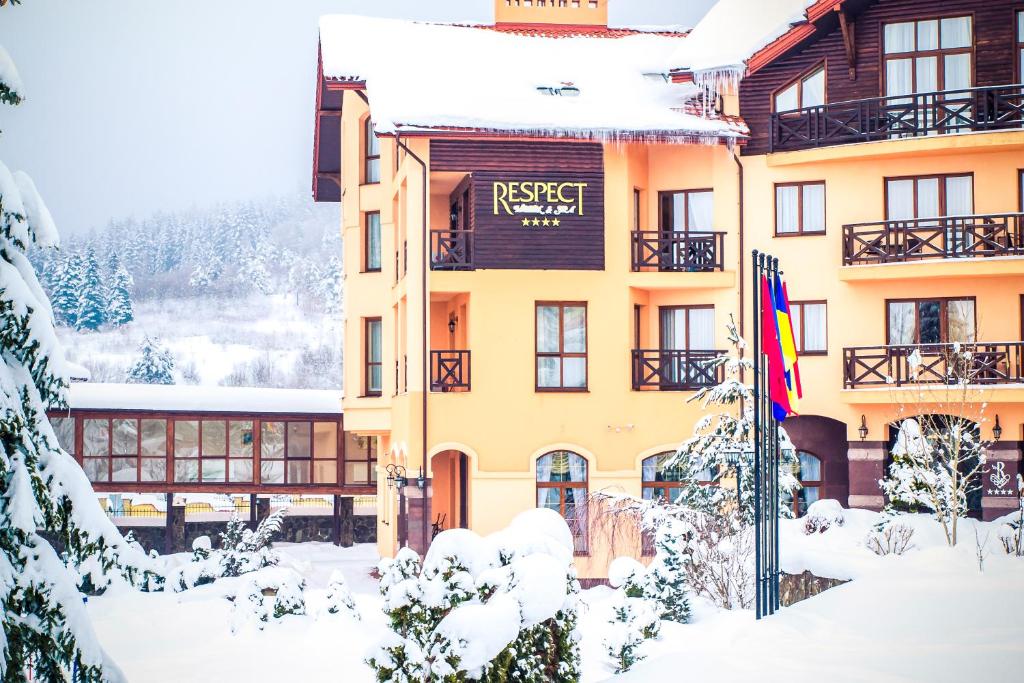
point(92, 300)
point(154, 366)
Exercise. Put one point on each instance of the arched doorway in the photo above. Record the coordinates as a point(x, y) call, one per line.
point(824, 456)
point(449, 501)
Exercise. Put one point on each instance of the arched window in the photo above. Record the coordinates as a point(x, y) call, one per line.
point(660, 482)
point(808, 470)
point(562, 487)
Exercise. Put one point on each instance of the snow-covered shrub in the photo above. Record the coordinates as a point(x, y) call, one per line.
point(155, 364)
point(339, 597)
point(628, 574)
point(822, 515)
point(669, 572)
point(890, 537)
point(241, 551)
point(634, 621)
point(500, 608)
point(272, 592)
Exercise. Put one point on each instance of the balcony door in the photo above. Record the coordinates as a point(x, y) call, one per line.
point(925, 57)
point(682, 212)
point(914, 199)
point(682, 329)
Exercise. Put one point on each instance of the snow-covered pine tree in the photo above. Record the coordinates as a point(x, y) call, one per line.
point(728, 427)
point(339, 597)
point(92, 300)
point(45, 625)
point(66, 284)
point(154, 366)
point(633, 621)
point(120, 309)
point(665, 582)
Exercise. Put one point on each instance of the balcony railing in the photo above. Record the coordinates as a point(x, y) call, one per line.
point(934, 238)
point(977, 363)
point(671, 370)
point(881, 118)
point(449, 370)
point(451, 250)
point(683, 252)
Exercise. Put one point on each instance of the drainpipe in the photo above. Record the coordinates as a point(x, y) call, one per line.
point(423, 310)
point(741, 259)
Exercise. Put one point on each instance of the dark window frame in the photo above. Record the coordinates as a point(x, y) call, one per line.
point(943, 315)
point(368, 365)
point(819, 483)
point(577, 533)
point(562, 354)
point(110, 455)
point(941, 177)
point(799, 82)
point(800, 184)
point(368, 157)
point(366, 242)
point(799, 333)
point(665, 212)
point(938, 53)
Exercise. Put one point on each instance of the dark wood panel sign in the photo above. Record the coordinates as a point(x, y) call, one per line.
point(538, 220)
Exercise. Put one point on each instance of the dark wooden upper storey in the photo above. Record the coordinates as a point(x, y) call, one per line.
point(853, 57)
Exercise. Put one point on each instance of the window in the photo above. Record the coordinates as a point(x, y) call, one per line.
point(240, 450)
point(562, 487)
point(636, 209)
point(374, 364)
point(660, 482)
point(800, 208)
point(64, 429)
point(928, 55)
point(807, 469)
point(371, 153)
point(810, 327)
point(686, 210)
point(360, 459)
point(929, 196)
point(298, 452)
point(371, 242)
point(682, 329)
point(806, 91)
point(213, 451)
point(124, 449)
point(561, 339)
point(931, 321)
point(1020, 46)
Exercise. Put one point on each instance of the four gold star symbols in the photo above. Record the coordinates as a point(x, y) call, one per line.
point(536, 222)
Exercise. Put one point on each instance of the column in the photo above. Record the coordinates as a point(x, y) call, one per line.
point(867, 467)
point(999, 479)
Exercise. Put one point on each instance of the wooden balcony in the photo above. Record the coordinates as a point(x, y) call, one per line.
point(669, 370)
point(945, 237)
point(988, 363)
point(449, 370)
point(884, 118)
point(679, 252)
point(451, 250)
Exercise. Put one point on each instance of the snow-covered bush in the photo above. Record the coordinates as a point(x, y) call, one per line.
point(269, 593)
point(628, 574)
point(890, 537)
point(339, 597)
point(822, 515)
point(155, 364)
point(634, 621)
point(669, 572)
point(500, 608)
point(241, 551)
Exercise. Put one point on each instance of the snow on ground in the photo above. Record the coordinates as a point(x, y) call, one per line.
point(209, 337)
point(929, 615)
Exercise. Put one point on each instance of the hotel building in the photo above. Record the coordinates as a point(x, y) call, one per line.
point(548, 223)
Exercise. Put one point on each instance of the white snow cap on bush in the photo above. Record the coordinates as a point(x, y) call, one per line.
point(623, 569)
point(824, 514)
point(202, 543)
point(485, 629)
point(9, 73)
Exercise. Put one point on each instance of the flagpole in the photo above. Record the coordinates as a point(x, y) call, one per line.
point(756, 289)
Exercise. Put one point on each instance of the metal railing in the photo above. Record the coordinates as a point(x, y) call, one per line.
point(901, 364)
point(944, 237)
point(672, 370)
point(451, 250)
point(450, 370)
point(683, 252)
point(881, 118)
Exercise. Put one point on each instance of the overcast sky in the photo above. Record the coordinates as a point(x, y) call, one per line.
point(137, 106)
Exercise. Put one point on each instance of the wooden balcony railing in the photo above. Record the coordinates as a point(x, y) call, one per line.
point(881, 118)
point(451, 250)
point(670, 370)
point(449, 370)
point(934, 238)
point(987, 363)
point(683, 252)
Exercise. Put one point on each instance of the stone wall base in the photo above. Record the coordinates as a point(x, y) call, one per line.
point(796, 587)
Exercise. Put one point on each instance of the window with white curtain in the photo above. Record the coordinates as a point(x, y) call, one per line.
point(928, 55)
point(686, 210)
point(800, 208)
point(929, 196)
point(805, 91)
point(931, 321)
point(810, 328)
point(562, 487)
point(561, 346)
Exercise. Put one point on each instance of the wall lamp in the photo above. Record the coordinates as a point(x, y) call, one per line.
point(396, 476)
point(421, 480)
point(997, 430)
point(452, 321)
point(863, 429)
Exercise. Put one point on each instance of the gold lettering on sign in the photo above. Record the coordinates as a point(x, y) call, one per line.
point(538, 197)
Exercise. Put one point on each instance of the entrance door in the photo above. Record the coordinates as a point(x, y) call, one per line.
point(681, 213)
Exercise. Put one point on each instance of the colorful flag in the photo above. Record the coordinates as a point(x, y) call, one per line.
point(787, 341)
point(772, 349)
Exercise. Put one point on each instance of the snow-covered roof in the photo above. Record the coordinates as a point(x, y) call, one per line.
point(424, 77)
point(734, 30)
point(180, 398)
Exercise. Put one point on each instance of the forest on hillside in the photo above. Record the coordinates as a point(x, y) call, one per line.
point(244, 294)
